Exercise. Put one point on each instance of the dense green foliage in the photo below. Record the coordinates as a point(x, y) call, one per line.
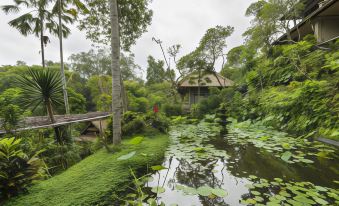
point(293, 89)
point(137, 123)
point(17, 169)
point(134, 17)
point(99, 178)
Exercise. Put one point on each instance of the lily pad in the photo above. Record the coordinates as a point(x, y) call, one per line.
point(320, 201)
point(204, 191)
point(219, 192)
point(256, 193)
point(286, 156)
point(158, 190)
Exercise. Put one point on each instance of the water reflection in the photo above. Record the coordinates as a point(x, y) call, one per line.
point(230, 174)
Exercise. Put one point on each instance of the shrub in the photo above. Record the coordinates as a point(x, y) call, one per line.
point(60, 157)
point(157, 121)
point(17, 169)
point(10, 114)
point(206, 106)
point(172, 109)
point(132, 123)
point(135, 126)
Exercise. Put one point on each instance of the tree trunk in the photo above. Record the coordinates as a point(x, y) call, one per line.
point(124, 96)
point(62, 69)
point(116, 74)
point(50, 110)
point(42, 44)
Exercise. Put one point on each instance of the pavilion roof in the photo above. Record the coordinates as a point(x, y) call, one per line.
point(206, 80)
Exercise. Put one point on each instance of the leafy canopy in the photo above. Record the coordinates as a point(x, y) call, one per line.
point(134, 17)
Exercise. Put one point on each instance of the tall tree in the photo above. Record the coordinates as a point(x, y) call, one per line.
point(155, 71)
point(272, 18)
point(116, 73)
point(35, 21)
point(211, 48)
point(66, 15)
point(99, 63)
point(172, 71)
point(119, 22)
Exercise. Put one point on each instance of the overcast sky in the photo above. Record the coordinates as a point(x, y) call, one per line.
point(174, 22)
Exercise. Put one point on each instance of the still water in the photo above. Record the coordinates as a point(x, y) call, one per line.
point(199, 156)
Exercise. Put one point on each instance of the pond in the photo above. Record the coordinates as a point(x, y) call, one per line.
point(250, 165)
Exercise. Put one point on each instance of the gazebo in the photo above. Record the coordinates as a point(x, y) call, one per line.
point(193, 90)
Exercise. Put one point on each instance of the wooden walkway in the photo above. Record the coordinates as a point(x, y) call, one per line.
point(29, 123)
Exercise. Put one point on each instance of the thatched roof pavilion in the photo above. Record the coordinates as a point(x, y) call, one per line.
point(197, 89)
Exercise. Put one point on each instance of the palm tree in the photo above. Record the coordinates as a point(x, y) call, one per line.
point(41, 87)
point(35, 21)
point(116, 73)
point(66, 15)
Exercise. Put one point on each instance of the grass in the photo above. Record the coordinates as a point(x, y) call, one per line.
point(96, 179)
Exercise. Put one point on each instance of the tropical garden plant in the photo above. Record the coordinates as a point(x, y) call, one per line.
point(17, 169)
point(41, 87)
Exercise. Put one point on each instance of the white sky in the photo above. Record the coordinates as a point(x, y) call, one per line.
point(174, 22)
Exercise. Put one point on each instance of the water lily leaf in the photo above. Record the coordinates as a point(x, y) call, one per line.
point(322, 189)
point(294, 203)
point(278, 179)
point(127, 156)
point(249, 186)
point(204, 191)
point(158, 190)
point(256, 193)
point(322, 154)
point(158, 167)
point(286, 146)
point(284, 193)
point(190, 190)
point(286, 156)
point(249, 202)
point(219, 192)
point(306, 161)
point(264, 138)
point(258, 199)
point(320, 201)
point(199, 149)
point(136, 140)
point(179, 187)
point(303, 199)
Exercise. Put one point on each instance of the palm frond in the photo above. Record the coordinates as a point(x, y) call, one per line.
point(40, 86)
point(19, 2)
point(23, 23)
point(80, 6)
point(10, 9)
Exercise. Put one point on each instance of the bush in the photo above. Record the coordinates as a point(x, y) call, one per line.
point(132, 123)
point(17, 169)
point(136, 123)
point(60, 157)
point(206, 106)
point(172, 109)
point(157, 121)
point(11, 114)
point(133, 127)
